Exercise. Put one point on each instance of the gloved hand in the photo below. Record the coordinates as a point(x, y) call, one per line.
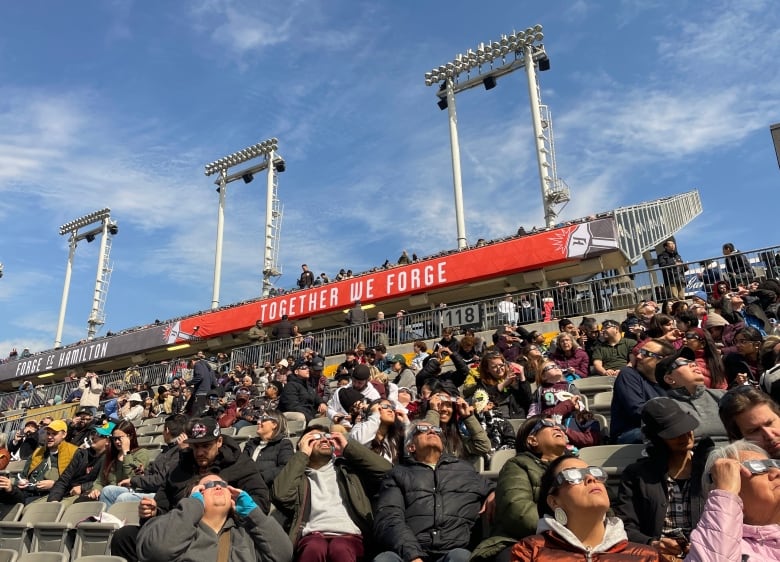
point(245, 504)
point(198, 496)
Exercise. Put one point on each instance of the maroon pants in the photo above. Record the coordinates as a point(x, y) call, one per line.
point(317, 547)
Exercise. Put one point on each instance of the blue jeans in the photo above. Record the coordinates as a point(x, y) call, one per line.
point(631, 436)
point(454, 555)
point(114, 494)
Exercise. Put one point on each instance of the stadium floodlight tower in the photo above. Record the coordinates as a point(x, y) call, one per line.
point(272, 163)
point(106, 229)
point(521, 49)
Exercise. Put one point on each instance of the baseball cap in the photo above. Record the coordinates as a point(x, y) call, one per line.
point(361, 373)
point(57, 425)
point(203, 430)
point(665, 418)
point(83, 411)
point(317, 364)
point(398, 359)
point(105, 429)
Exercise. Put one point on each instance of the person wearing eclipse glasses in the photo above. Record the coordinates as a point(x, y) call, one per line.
point(216, 522)
point(324, 491)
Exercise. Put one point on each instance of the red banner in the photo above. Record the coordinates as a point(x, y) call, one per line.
point(530, 252)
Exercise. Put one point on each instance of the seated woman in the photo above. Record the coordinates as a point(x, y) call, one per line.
point(383, 430)
point(661, 497)
point(123, 459)
point(463, 436)
point(665, 327)
point(505, 384)
point(539, 441)
point(570, 357)
point(707, 358)
point(573, 506)
point(743, 366)
point(680, 376)
point(270, 450)
point(741, 519)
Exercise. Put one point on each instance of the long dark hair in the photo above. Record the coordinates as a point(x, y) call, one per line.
point(450, 436)
point(393, 441)
point(547, 485)
point(113, 452)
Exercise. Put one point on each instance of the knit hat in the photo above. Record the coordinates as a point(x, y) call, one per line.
point(715, 319)
point(701, 295)
point(361, 373)
point(348, 396)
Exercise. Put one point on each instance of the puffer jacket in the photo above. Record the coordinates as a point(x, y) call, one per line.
point(273, 457)
point(82, 471)
point(358, 470)
point(517, 492)
point(423, 512)
point(298, 396)
point(234, 468)
point(555, 543)
point(180, 536)
point(721, 535)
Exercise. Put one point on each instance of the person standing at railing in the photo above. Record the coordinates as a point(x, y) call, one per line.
point(91, 389)
point(738, 266)
point(673, 270)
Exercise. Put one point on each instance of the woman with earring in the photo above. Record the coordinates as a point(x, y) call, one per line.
point(540, 441)
point(573, 505)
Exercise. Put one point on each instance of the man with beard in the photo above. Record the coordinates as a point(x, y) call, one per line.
point(299, 396)
point(325, 489)
point(205, 526)
point(84, 469)
point(208, 452)
point(81, 427)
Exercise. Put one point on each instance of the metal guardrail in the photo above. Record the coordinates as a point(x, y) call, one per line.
point(598, 295)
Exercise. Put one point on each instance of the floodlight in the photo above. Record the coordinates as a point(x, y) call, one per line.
point(442, 103)
point(489, 82)
point(247, 178)
point(86, 220)
point(260, 149)
point(90, 238)
point(775, 131)
point(544, 63)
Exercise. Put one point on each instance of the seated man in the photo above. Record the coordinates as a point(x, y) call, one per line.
point(327, 497)
point(25, 441)
point(81, 427)
point(612, 354)
point(209, 452)
point(44, 466)
point(205, 526)
point(747, 413)
point(85, 467)
point(427, 507)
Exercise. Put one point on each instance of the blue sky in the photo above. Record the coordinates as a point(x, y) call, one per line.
point(120, 104)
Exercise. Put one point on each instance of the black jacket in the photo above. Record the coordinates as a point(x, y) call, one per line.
point(82, 471)
point(425, 513)
point(642, 497)
point(25, 447)
point(233, 467)
point(432, 370)
point(155, 474)
point(282, 330)
point(673, 272)
point(203, 378)
point(298, 396)
point(272, 458)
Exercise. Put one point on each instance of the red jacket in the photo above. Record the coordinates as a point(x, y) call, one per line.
point(549, 547)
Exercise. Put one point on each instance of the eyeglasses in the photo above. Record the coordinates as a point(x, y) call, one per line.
point(760, 466)
point(320, 436)
point(645, 353)
point(742, 342)
point(385, 407)
point(550, 368)
point(576, 476)
point(679, 363)
point(541, 424)
point(267, 418)
point(498, 365)
point(692, 336)
point(214, 483)
point(427, 429)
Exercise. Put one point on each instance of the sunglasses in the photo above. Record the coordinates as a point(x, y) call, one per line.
point(214, 484)
point(550, 368)
point(692, 336)
point(679, 363)
point(541, 424)
point(427, 429)
point(385, 407)
point(320, 436)
point(576, 476)
point(645, 353)
point(761, 466)
point(267, 418)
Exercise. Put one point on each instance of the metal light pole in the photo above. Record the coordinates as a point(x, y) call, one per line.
point(273, 163)
point(481, 68)
point(107, 227)
point(457, 181)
